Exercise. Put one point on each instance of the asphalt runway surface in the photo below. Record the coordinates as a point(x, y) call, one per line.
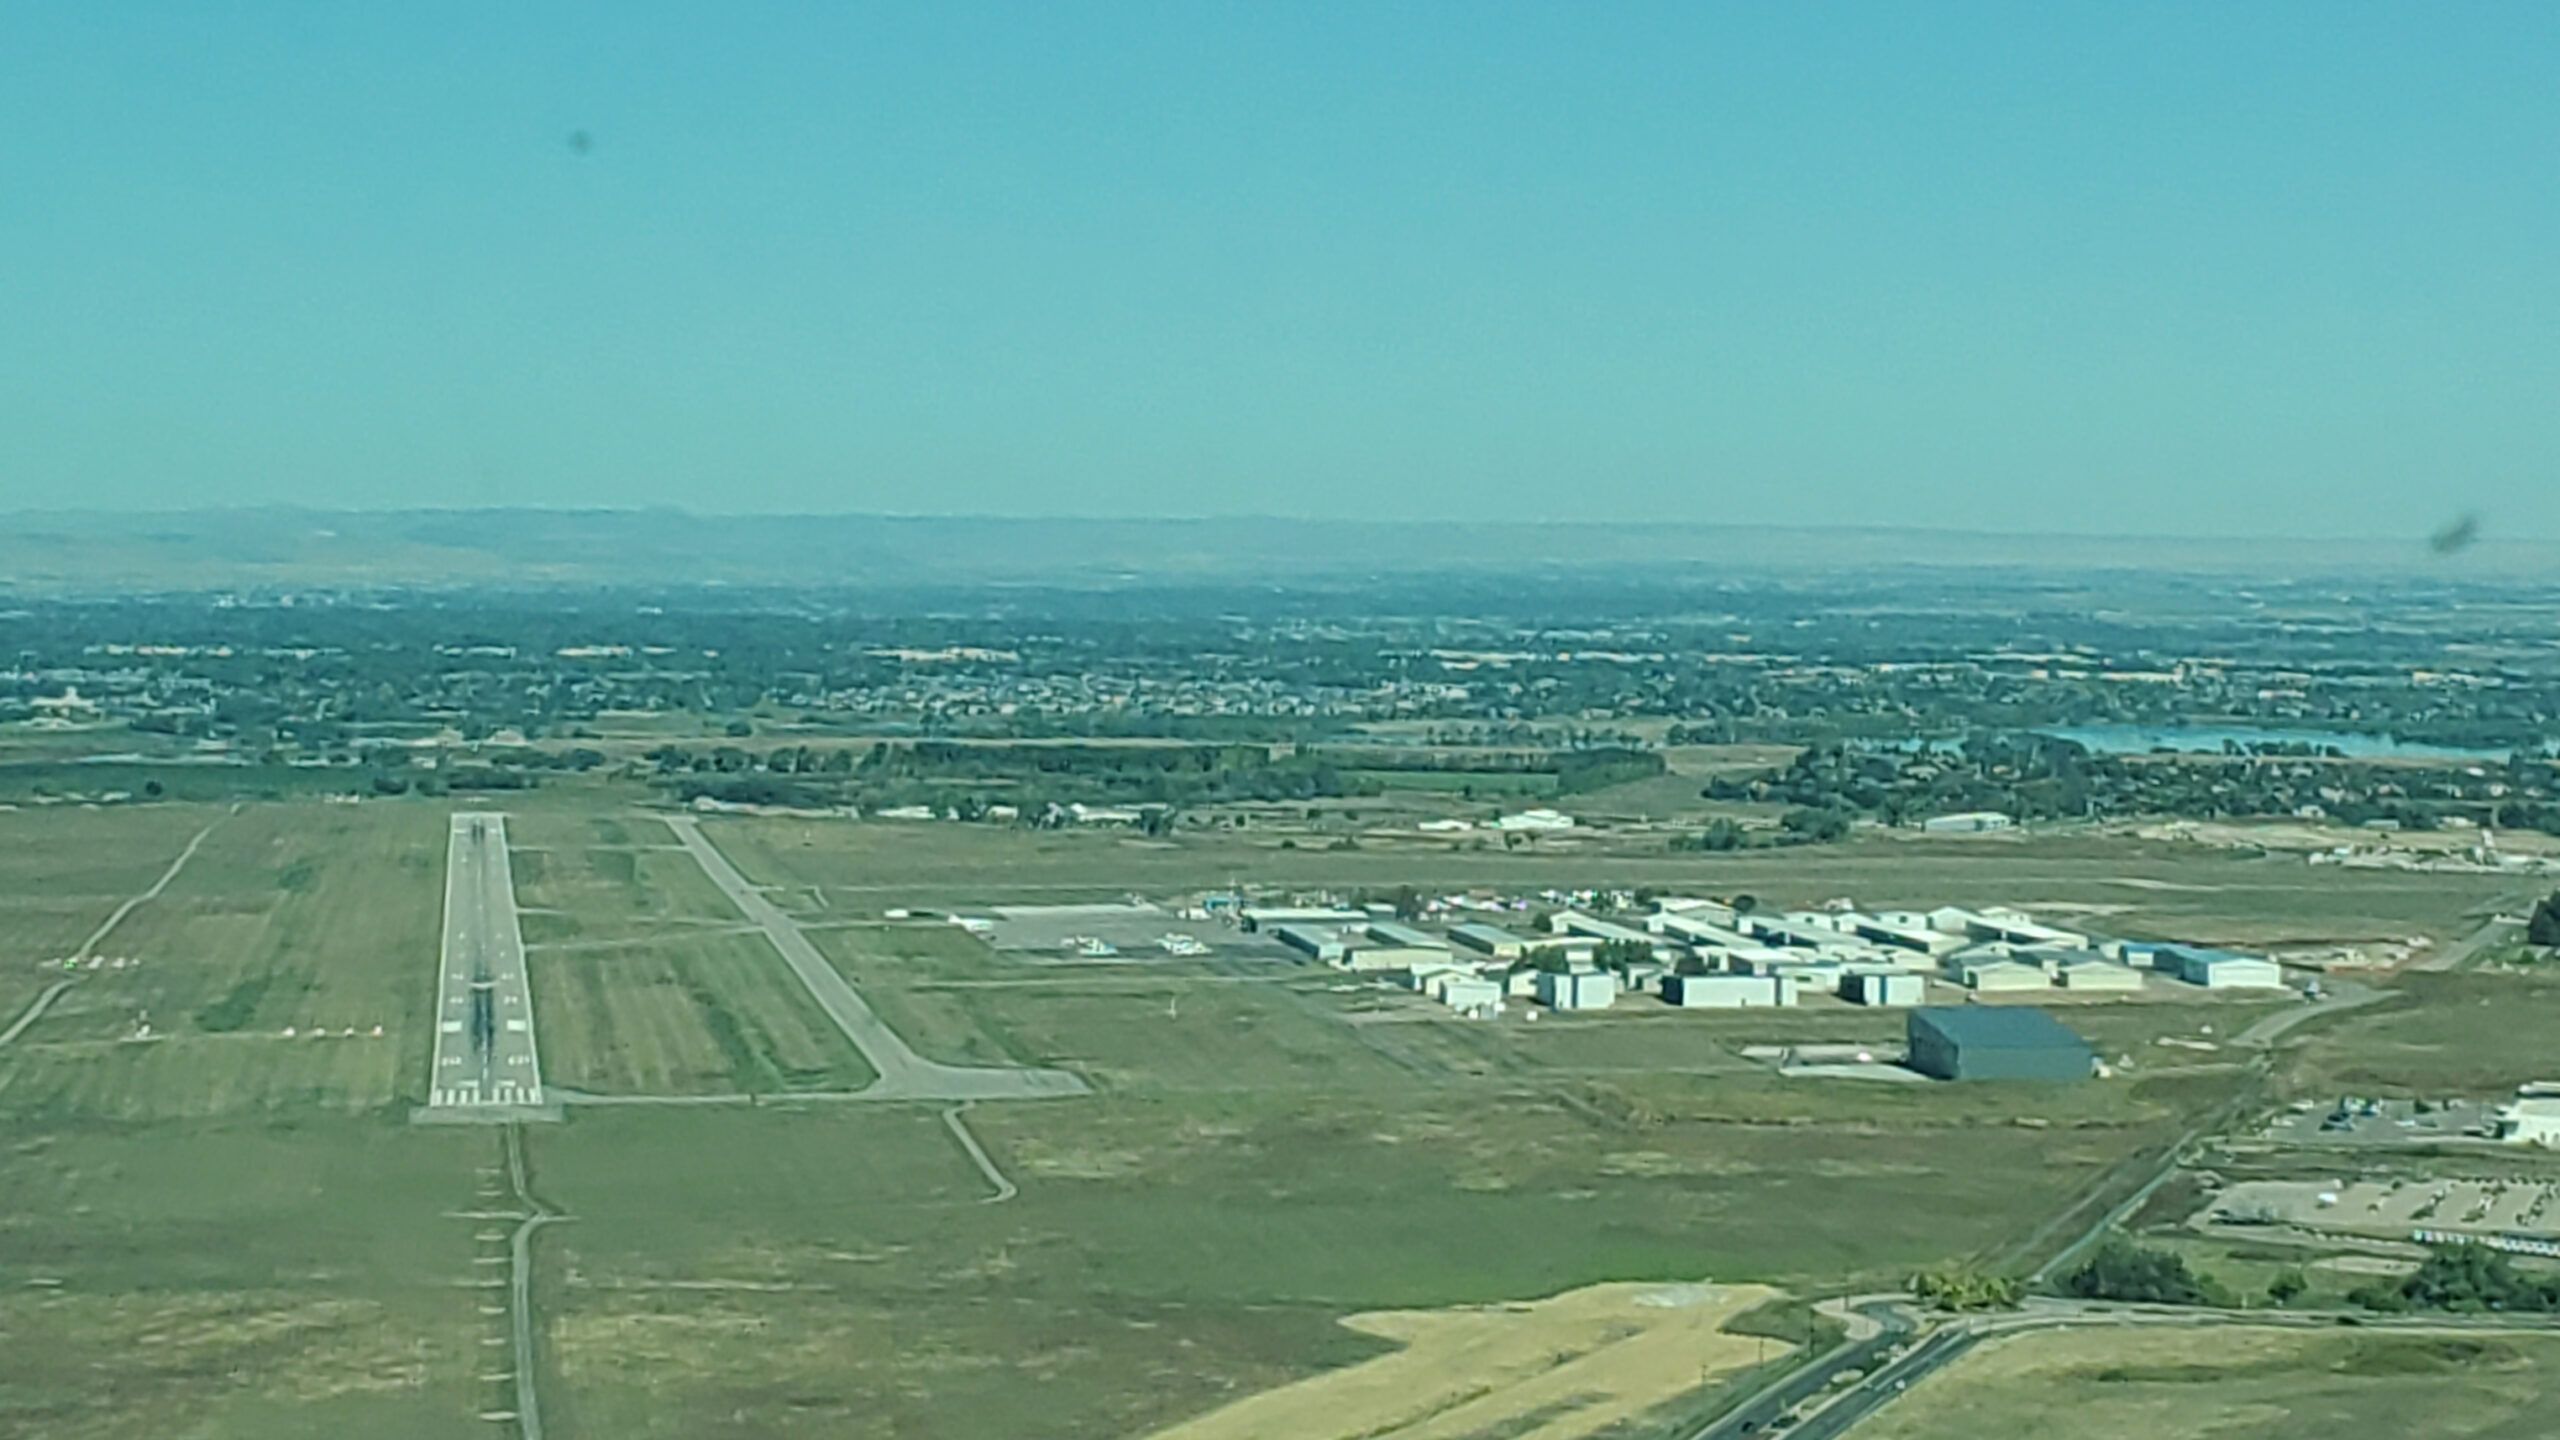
point(485, 1052)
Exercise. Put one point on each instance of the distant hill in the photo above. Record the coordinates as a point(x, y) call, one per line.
point(269, 549)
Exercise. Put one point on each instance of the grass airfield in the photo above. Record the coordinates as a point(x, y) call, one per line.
point(219, 1230)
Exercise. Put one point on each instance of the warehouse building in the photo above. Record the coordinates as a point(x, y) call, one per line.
point(2530, 1119)
point(1694, 907)
point(1395, 957)
point(1706, 934)
point(1489, 940)
point(2002, 975)
point(1969, 822)
point(1592, 990)
point(1317, 942)
point(1728, 992)
point(2015, 928)
point(1643, 975)
point(1884, 987)
point(2003, 1043)
point(1592, 928)
point(1798, 933)
point(1264, 917)
point(1428, 978)
point(2220, 969)
point(1389, 932)
point(2097, 975)
point(1899, 935)
point(1472, 995)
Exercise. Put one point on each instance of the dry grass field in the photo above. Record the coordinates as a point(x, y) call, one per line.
point(1563, 1368)
point(2237, 1385)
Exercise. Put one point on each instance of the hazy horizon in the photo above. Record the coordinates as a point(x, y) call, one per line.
point(2140, 270)
point(395, 511)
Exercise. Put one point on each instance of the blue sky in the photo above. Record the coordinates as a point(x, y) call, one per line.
point(2220, 268)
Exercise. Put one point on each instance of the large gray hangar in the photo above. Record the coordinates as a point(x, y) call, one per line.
point(1988, 1042)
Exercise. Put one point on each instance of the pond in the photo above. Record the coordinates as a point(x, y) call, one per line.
point(2124, 739)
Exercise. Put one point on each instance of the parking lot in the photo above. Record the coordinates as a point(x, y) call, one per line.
point(2391, 1122)
point(2392, 1207)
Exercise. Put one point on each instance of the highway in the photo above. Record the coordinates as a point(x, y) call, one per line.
point(485, 1054)
point(1876, 1324)
point(904, 1075)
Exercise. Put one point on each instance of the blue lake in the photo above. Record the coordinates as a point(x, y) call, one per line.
point(2117, 739)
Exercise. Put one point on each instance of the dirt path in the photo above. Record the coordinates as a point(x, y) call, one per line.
point(1565, 1368)
point(34, 1012)
point(1000, 1188)
point(158, 888)
point(44, 1002)
point(520, 1317)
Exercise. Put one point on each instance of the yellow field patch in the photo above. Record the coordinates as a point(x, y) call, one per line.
point(1556, 1369)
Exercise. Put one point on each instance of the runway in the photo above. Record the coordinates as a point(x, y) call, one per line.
point(485, 1053)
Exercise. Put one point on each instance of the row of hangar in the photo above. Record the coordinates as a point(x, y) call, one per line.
point(1705, 953)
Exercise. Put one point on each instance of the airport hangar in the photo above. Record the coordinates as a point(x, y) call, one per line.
point(1987, 1042)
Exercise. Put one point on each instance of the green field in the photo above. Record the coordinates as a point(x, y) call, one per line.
point(2262, 1384)
point(1489, 784)
point(2479, 1033)
point(1170, 1250)
point(694, 1014)
point(606, 878)
point(63, 871)
point(300, 1278)
point(315, 917)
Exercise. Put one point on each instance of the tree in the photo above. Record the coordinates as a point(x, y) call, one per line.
point(2122, 1270)
point(2465, 1279)
point(1967, 1290)
point(2289, 1285)
point(1719, 836)
point(739, 729)
point(1817, 826)
point(1745, 904)
point(2543, 928)
point(1619, 954)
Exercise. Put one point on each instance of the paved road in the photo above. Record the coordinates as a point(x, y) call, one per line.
point(904, 1075)
point(485, 1053)
point(520, 1288)
point(1876, 1324)
point(2343, 995)
point(2492, 931)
